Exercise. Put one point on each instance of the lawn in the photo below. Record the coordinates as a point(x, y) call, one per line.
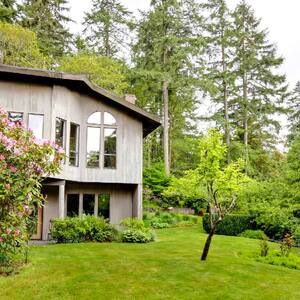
point(167, 269)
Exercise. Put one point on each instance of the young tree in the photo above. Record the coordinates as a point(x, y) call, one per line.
point(103, 71)
point(107, 27)
point(164, 65)
point(48, 20)
point(19, 47)
point(260, 89)
point(7, 11)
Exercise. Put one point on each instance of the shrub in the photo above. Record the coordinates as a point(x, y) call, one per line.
point(136, 231)
point(137, 236)
point(264, 247)
point(231, 225)
point(286, 245)
point(275, 258)
point(253, 234)
point(76, 230)
point(296, 235)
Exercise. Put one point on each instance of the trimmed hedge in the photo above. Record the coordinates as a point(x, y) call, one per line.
point(231, 225)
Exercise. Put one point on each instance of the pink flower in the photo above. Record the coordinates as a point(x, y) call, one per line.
point(7, 186)
point(17, 232)
point(13, 169)
point(2, 157)
point(8, 230)
point(1, 239)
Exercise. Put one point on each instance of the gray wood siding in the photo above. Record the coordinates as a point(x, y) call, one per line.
point(58, 101)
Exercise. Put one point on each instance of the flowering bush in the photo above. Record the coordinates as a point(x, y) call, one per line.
point(24, 162)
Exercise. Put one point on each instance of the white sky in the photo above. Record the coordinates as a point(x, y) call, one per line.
point(281, 17)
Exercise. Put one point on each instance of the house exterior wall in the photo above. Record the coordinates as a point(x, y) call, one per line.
point(58, 101)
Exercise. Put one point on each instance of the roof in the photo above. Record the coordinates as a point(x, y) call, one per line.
point(81, 83)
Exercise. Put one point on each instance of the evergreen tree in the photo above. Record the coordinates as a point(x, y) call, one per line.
point(260, 90)
point(48, 20)
point(107, 27)
point(219, 67)
point(294, 117)
point(7, 11)
point(165, 70)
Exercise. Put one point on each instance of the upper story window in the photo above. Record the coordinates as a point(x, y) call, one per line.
point(60, 132)
point(102, 134)
point(74, 145)
point(36, 124)
point(16, 117)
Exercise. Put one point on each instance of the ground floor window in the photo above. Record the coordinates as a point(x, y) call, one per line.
point(88, 207)
point(72, 205)
point(103, 205)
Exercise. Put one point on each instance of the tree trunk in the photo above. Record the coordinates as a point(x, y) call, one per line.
point(165, 92)
point(246, 129)
point(208, 241)
point(225, 98)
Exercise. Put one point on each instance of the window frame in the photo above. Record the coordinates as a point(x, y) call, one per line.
point(16, 112)
point(64, 132)
point(43, 127)
point(77, 158)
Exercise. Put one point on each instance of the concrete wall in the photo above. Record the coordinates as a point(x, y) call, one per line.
point(59, 101)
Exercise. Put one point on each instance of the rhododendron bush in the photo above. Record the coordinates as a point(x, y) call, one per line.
point(24, 162)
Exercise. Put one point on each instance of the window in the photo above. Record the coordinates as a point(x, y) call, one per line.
point(110, 146)
point(101, 136)
point(16, 117)
point(72, 205)
point(74, 145)
point(36, 124)
point(93, 147)
point(88, 204)
point(60, 132)
point(103, 205)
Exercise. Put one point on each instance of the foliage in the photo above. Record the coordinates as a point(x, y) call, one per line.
point(88, 228)
point(24, 162)
point(19, 47)
point(294, 114)
point(136, 232)
point(48, 20)
point(286, 245)
point(253, 234)
point(264, 247)
point(159, 220)
point(7, 10)
point(107, 27)
point(230, 225)
point(296, 236)
point(155, 181)
point(103, 71)
point(276, 259)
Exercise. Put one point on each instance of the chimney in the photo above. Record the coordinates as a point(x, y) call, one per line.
point(130, 98)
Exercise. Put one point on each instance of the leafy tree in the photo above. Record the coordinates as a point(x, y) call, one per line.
point(107, 27)
point(24, 161)
point(19, 47)
point(103, 71)
point(48, 20)
point(294, 117)
point(7, 11)
point(164, 71)
point(260, 89)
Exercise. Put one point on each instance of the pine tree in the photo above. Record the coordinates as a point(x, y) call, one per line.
point(48, 20)
point(294, 116)
point(107, 27)
point(7, 11)
point(163, 55)
point(219, 67)
point(260, 90)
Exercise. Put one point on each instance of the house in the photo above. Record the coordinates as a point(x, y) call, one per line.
point(102, 135)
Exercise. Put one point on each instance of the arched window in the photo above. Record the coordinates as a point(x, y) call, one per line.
point(101, 134)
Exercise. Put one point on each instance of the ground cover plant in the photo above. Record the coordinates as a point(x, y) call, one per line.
point(166, 269)
point(159, 220)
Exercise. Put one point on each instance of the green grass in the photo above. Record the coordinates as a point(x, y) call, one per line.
point(167, 269)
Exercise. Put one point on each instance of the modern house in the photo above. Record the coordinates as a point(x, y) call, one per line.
point(102, 135)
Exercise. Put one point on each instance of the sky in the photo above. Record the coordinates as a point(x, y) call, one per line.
point(280, 17)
